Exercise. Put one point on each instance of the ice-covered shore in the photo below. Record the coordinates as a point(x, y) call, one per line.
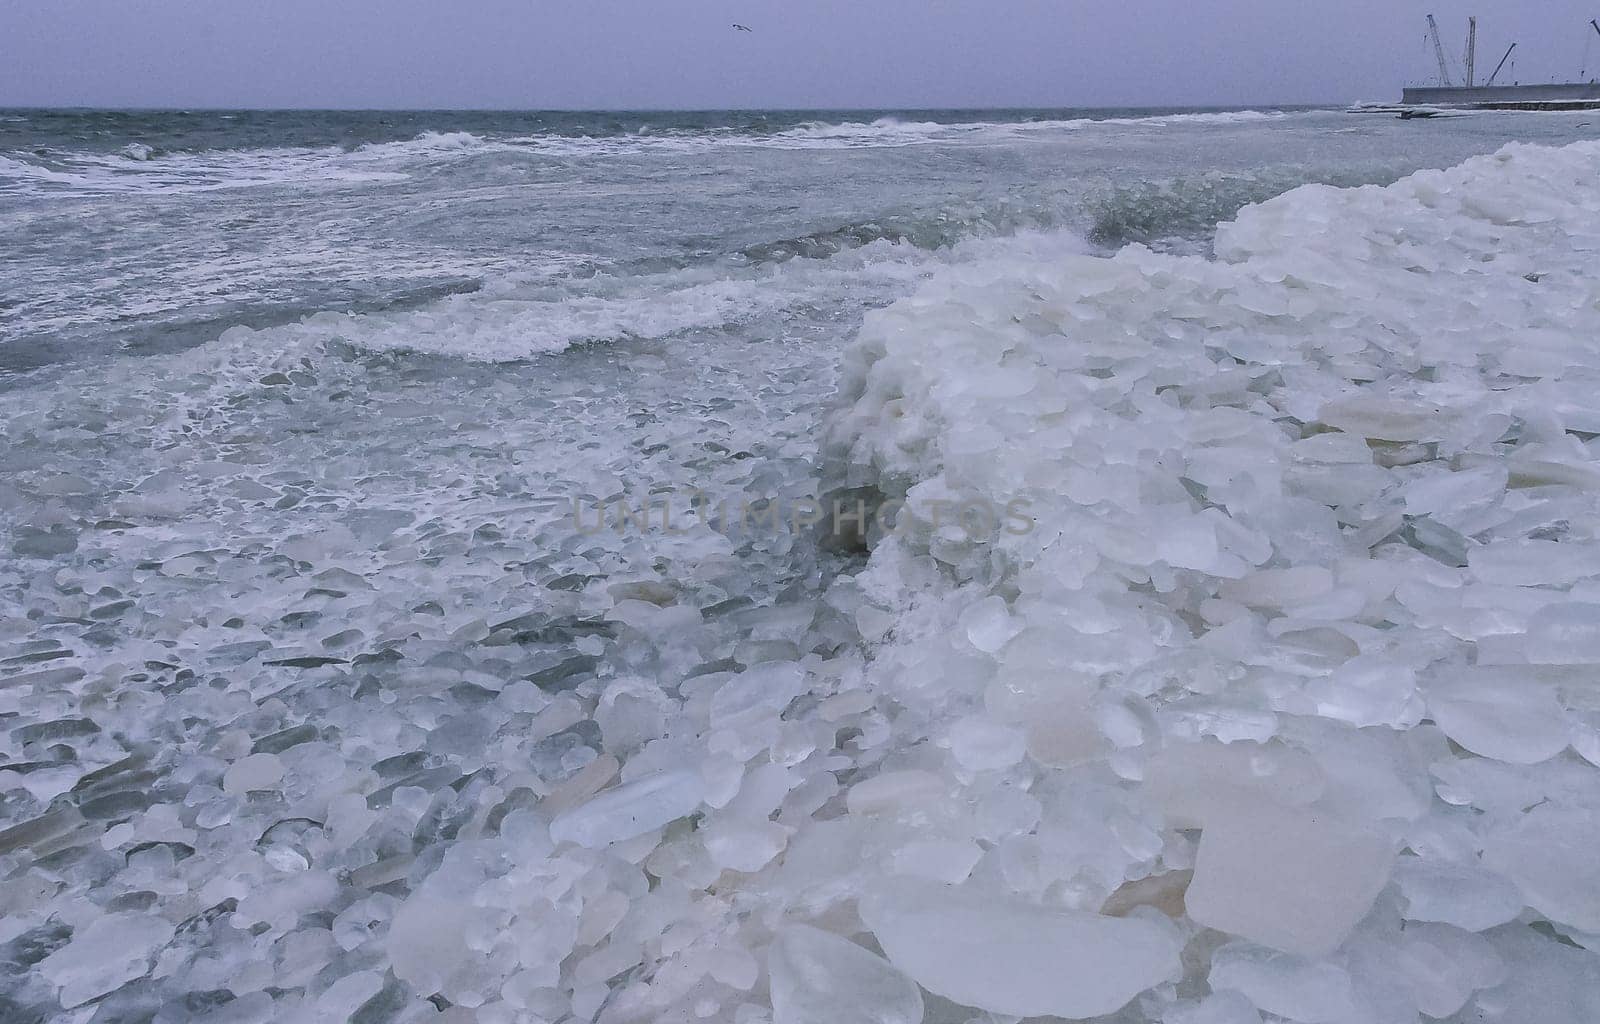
point(1280, 707)
point(1285, 704)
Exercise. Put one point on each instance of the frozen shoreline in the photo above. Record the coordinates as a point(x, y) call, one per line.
point(321, 703)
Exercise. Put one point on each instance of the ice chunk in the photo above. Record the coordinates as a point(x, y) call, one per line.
point(766, 688)
point(257, 771)
point(1293, 879)
point(1546, 981)
point(820, 978)
point(1387, 419)
point(939, 860)
point(344, 997)
point(1279, 588)
point(745, 845)
point(1052, 705)
point(1499, 712)
point(427, 941)
point(1443, 966)
point(1565, 634)
point(1193, 782)
point(1451, 492)
point(104, 955)
point(1286, 985)
point(893, 791)
point(1534, 563)
point(1003, 956)
point(1465, 895)
point(1550, 855)
point(988, 624)
point(980, 745)
point(1368, 691)
point(631, 809)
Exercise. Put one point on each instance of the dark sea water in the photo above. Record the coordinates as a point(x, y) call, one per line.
point(294, 409)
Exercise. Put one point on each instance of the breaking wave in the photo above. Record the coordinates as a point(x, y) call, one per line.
point(141, 167)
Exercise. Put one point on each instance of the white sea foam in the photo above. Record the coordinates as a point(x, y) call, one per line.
point(1277, 512)
point(139, 168)
point(85, 174)
point(514, 318)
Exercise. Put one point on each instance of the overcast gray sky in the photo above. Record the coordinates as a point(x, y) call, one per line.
point(802, 53)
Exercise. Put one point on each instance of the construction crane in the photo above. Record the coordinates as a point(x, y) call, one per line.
point(1472, 51)
point(1438, 52)
point(1500, 66)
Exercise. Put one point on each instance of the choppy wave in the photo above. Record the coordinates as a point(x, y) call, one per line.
point(511, 320)
point(1288, 645)
point(88, 174)
point(140, 167)
point(514, 318)
point(529, 306)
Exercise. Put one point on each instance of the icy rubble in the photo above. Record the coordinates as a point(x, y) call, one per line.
point(1297, 649)
point(1281, 708)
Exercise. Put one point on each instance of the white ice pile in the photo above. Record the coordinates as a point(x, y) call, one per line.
point(1281, 702)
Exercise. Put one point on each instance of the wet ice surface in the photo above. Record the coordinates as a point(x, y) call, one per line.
point(317, 704)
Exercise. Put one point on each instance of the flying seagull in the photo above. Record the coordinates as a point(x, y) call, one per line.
point(741, 28)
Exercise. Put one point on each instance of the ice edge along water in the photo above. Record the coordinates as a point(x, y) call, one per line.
point(1282, 705)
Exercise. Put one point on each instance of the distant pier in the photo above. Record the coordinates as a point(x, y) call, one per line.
point(1574, 96)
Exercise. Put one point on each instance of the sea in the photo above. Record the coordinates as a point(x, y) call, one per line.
point(421, 558)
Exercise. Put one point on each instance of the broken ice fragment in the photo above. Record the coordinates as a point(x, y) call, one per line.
point(630, 810)
point(1443, 966)
point(820, 978)
point(981, 745)
point(1465, 895)
point(1382, 418)
point(1294, 879)
point(257, 771)
point(1279, 588)
point(1551, 855)
point(766, 688)
point(1534, 563)
point(1565, 634)
point(745, 845)
point(427, 940)
point(893, 791)
point(104, 955)
point(1499, 712)
point(1009, 957)
point(988, 624)
point(1052, 705)
point(1286, 985)
point(940, 860)
point(1192, 782)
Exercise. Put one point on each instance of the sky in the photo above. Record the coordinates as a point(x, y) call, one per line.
point(685, 54)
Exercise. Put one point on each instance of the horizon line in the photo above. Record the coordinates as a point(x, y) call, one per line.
point(193, 109)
